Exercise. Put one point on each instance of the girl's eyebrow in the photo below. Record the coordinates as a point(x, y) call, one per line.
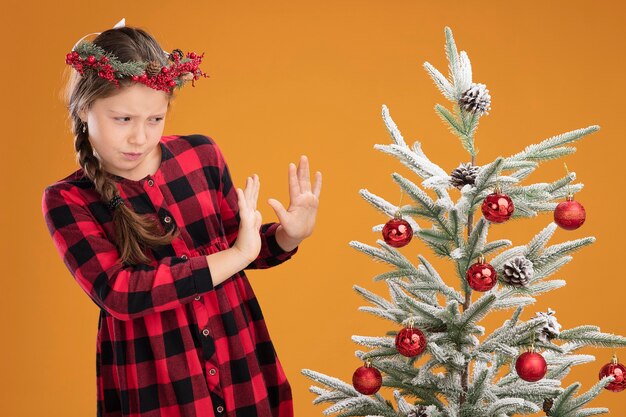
point(132, 115)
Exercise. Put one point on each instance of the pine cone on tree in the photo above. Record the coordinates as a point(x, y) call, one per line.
point(419, 411)
point(464, 174)
point(518, 271)
point(551, 329)
point(547, 405)
point(476, 99)
point(153, 68)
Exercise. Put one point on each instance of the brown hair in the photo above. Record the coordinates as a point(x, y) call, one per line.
point(134, 232)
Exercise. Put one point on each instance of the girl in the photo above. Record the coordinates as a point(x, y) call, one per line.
point(153, 230)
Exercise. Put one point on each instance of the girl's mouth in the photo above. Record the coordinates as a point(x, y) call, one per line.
point(132, 156)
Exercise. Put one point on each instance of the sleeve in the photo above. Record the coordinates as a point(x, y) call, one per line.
point(125, 292)
point(271, 254)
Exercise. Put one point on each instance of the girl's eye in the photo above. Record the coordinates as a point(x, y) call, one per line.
point(157, 119)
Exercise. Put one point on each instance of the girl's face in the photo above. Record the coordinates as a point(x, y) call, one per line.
point(129, 122)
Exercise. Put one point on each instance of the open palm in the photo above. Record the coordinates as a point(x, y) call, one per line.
point(298, 219)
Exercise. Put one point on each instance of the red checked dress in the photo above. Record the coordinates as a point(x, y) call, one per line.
point(169, 343)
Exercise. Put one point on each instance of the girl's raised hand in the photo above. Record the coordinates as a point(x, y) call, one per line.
point(248, 240)
point(299, 219)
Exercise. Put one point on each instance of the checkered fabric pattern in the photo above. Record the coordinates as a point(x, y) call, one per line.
point(169, 342)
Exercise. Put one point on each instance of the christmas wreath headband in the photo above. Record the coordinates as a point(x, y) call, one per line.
point(87, 56)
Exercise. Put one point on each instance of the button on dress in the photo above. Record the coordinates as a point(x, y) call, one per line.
point(169, 342)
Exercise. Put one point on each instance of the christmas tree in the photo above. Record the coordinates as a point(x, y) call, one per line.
point(518, 368)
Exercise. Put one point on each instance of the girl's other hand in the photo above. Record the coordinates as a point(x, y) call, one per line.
point(298, 220)
point(248, 241)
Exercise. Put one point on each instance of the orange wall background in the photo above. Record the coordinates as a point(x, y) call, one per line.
point(290, 78)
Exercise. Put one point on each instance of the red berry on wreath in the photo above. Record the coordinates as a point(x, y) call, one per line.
point(410, 341)
point(497, 207)
point(481, 276)
point(569, 214)
point(618, 371)
point(367, 379)
point(531, 366)
point(397, 232)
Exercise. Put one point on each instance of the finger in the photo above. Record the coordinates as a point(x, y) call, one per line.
point(246, 189)
point(294, 187)
point(306, 173)
point(253, 191)
point(249, 184)
point(241, 199)
point(317, 187)
point(278, 208)
point(302, 174)
point(250, 191)
point(256, 189)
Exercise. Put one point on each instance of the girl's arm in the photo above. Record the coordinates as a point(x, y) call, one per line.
point(226, 263)
point(127, 292)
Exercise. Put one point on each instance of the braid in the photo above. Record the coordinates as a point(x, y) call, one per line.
point(134, 232)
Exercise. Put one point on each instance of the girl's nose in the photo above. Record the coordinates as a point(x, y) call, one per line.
point(138, 136)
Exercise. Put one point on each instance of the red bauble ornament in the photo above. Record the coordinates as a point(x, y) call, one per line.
point(481, 276)
point(497, 207)
point(569, 214)
point(397, 232)
point(410, 341)
point(616, 370)
point(531, 366)
point(367, 379)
